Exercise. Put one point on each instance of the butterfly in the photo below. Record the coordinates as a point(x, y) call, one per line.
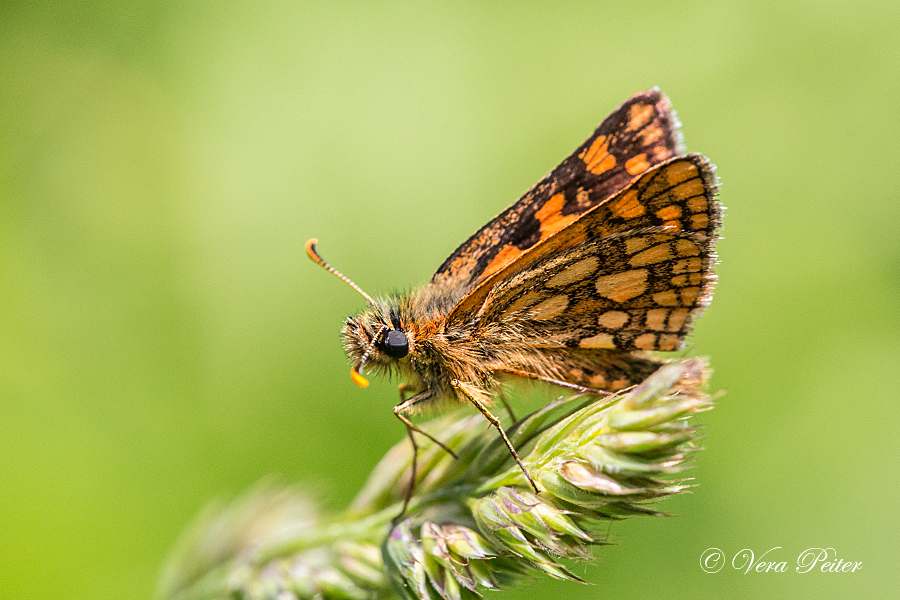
point(605, 260)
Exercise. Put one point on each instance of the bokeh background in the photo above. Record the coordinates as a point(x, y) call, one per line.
point(164, 340)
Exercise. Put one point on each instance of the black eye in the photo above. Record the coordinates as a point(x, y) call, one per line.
point(395, 344)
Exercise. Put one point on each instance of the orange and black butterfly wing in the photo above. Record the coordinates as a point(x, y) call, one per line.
point(652, 245)
point(641, 133)
point(631, 274)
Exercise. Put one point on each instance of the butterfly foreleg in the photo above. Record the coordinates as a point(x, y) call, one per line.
point(461, 390)
point(506, 405)
point(409, 405)
point(406, 406)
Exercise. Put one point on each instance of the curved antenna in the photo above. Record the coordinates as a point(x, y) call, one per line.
point(355, 374)
point(311, 252)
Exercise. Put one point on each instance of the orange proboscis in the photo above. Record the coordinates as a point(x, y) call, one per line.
point(358, 379)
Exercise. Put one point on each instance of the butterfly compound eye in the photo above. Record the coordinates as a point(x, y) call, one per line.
point(395, 344)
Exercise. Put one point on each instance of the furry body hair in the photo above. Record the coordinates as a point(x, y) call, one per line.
point(478, 353)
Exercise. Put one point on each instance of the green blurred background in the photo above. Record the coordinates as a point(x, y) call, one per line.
point(164, 340)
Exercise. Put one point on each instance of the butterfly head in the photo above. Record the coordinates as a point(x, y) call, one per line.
point(375, 342)
point(375, 337)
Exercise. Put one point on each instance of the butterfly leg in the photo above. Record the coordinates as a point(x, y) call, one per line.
point(565, 384)
point(506, 405)
point(405, 406)
point(460, 389)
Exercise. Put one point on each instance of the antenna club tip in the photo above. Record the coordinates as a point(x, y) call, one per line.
point(311, 251)
point(358, 379)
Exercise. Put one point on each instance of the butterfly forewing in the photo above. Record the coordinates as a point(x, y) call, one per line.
point(630, 274)
point(641, 133)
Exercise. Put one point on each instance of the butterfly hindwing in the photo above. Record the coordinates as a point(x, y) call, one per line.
point(641, 133)
point(631, 274)
point(599, 369)
point(594, 295)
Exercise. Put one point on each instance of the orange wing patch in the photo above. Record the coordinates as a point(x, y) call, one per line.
point(551, 218)
point(597, 158)
point(506, 255)
point(620, 287)
point(638, 116)
point(627, 206)
point(637, 164)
